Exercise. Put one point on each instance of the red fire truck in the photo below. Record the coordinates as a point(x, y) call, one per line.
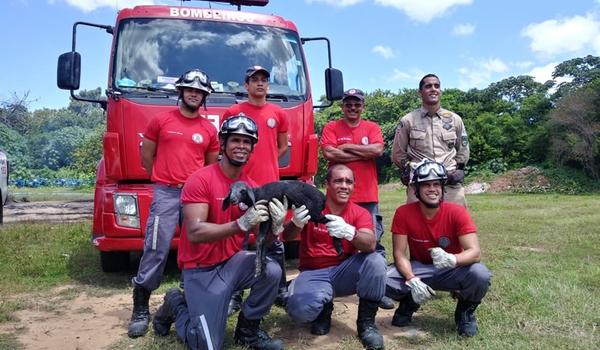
point(151, 47)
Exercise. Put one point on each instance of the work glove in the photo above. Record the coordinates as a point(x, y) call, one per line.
point(441, 259)
point(420, 291)
point(278, 211)
point(405, 175)
point(338, 228)
point(254, 215)
point(300, 217)
point(456, 177)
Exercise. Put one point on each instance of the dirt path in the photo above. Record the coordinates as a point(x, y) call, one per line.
point(49, 211)
point(76, 317)
point(70, 317)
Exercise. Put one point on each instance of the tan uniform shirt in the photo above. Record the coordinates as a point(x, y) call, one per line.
point(440, 137)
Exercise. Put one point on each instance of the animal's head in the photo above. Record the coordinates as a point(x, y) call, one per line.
point(239, 192)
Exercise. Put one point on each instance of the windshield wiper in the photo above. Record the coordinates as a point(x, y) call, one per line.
point(279, 97)
point(141, 89)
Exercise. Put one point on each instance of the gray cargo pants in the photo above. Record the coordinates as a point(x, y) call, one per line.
point(362, 274)
point(165, 214)
point(208, 290)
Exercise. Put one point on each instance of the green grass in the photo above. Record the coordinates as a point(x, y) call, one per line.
point(543, 251)
point(50, 193)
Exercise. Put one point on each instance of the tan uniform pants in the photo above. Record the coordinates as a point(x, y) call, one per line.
point(452, 193)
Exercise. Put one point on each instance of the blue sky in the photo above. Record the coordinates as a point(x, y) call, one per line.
point(385, 44)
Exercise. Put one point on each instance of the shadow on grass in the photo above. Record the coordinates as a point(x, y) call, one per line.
point(84, 267)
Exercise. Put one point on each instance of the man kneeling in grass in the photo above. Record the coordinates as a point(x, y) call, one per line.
point(444, 252)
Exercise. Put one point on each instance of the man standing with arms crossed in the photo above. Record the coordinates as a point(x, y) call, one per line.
point(433, 133)
point(175, 145)
point(263, 166)
point(356, 143)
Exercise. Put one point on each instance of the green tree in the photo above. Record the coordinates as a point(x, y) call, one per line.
point(87, 155)
point(54, 150)
point(580, 72)
point(575, 129)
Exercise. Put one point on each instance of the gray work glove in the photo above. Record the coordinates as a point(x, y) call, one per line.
point(420, 291)
point(300, 217)
point(456, 177)
point(441, 259)
point(339, 228)
point(254, 215)
point(278, 211)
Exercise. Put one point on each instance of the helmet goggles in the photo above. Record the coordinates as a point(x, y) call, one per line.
point(195, 79)
point(240, 124)
point(429, 171)
point(195, 74)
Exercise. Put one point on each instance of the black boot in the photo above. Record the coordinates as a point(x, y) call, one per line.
point(386, 303)
point(167, 312)
point(404, 312)
point(322, 324)
point(235, 303)
point(140, 317)
point(249, 334)
point(365, 324)
point(464, 316)
point(281, 299)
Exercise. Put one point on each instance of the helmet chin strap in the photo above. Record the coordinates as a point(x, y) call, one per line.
point(234, 162)
point(190, 108)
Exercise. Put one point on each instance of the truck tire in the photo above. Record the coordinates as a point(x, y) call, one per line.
point(114, 261)
point(291, 249)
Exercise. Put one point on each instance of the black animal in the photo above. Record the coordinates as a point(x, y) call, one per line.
point(297, 193)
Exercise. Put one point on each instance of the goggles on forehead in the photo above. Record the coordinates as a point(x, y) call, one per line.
point(425, 170)
point(235, 123)
point(194, 74)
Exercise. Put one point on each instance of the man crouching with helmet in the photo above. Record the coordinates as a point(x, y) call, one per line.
point(211, 256)
point(444, 252)
point(175, 144)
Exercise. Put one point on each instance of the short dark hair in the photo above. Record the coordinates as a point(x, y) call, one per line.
point(332, 168)
point(422, 81)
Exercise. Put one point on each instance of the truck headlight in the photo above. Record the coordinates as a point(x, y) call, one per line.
point(126, 210)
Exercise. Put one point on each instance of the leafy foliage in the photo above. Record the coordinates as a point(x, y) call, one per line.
point(511, 123)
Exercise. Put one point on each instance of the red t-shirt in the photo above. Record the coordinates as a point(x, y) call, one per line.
point(450, 222)
point(263, 165)
point(210, 185)
point(316, 246)
point(181, 145)
point(337, 133)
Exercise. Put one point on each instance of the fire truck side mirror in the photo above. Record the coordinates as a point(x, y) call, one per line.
point(334, 84)
point(68, 71)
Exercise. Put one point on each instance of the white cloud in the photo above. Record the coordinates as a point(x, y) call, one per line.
point(413, 76)
point(480, 74)
point(543, 73)
point(463, 29)
point(338, 3)
point(523, 64)
point(385, 51)
point(424, 10)
point(494, 65)
point(91, 5)
point(570, 35)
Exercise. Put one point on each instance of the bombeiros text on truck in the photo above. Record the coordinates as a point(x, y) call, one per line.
point(151, 47)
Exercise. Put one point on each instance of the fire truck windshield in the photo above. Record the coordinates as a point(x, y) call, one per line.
point(152, 53)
